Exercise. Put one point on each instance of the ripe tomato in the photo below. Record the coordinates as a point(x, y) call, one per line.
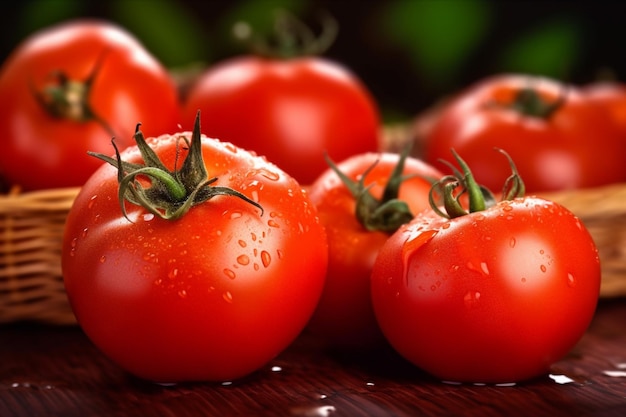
point(68, 89)
point(291, 111)
point(490, 296)
point(213, 293)
point(361, 201)
point(556, 136)
point(612, 96)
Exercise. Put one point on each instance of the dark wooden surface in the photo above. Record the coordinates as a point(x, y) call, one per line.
point(56, 371)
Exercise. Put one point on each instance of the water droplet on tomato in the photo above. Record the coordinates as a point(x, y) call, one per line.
point(471, 299)
point(543, 268)
point(512, 242)
point(84, 233)
point(279, 253)
point(103, 259)
point(234, 214)
point(255, 196)
point(266, 258)
point(92, 201)
point(242, 243)
point(243, 260)
point(571, 281)
point(147, 217)
point(272, 223)
point(228, 297)
point(172, 273)
point(182, 293)
point(229, 273)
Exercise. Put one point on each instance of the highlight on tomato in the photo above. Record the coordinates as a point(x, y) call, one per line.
point(557, 135)
point(66, 90)
point(493, 292)
point(361, 201)
point(288, 103)
point(190, 259)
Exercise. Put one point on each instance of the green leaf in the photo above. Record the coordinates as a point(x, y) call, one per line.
point(439, 35)
point(550, 48)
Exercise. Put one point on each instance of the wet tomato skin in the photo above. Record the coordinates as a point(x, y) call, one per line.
point(495, 296)
point(214, 295)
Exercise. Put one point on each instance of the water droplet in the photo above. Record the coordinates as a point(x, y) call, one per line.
point(445, 226)
point(255, 196)
point(103, 259)
point(253, 236)
point(182, 293)
point(172, 273)
point(543, 268)
point(229, 273)
point(272, 223)
point(615, 374)
point(512, 242)
point(235, 214)
point(147, 217)
point(243, 260)
point(276, 369)
point(92, 201)
point(523, 279)
point(279, 253)
point(561, 379)
point(471, 299)
point(228, 297)
point(315, 411)
point(571, 281)
point(84, 233)
point(242, 243)
point(266, 258)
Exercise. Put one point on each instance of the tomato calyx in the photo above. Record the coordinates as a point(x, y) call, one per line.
point(452, 187)
point(386, 214)
point(68, 99)
point(171, 193)
point(290, 37)
point(528, 102)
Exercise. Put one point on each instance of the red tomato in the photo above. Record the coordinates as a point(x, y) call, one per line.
point(612, 96)
point(558, 138)
point(212, 295)
point(491, 296)
point(291, 111)
point(375, 193)
point(68, 89)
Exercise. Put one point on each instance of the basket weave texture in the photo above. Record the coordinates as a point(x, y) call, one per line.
point(31, 231)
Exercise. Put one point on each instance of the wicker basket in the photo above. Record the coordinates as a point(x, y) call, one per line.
point(31, 284)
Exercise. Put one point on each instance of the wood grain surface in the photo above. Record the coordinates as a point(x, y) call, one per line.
point(56, 371)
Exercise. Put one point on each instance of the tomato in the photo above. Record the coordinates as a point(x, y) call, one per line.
point(612, 96)
point(209, 281)
point(361, 201)
point(68, 89)
point(290, 110)
point(495, 294)
point(558, 138)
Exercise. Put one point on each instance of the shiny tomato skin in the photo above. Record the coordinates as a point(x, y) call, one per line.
point(492, 297)
point(578, 146)
point(130, 86)
point(344, 317)
point(291, 111)
point(212, 296)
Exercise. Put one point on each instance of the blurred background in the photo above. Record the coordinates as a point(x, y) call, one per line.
point(410, 53)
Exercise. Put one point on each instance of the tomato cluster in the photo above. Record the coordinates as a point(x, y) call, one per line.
point(211, 230)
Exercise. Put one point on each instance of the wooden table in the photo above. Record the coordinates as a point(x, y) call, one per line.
point(56, 371)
